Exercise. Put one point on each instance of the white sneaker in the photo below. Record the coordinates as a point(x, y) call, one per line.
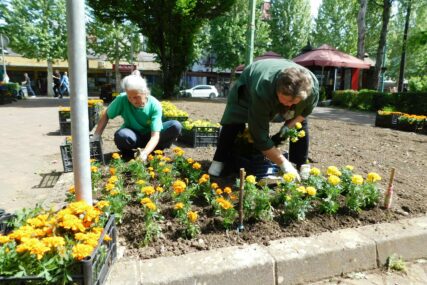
point(216, 168)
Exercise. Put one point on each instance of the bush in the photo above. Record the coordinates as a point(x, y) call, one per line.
point(418, 84)
point(411, 102)
point(344, 98)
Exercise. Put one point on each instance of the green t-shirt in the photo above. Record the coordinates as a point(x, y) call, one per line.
point(144, 120)
point(253, 99)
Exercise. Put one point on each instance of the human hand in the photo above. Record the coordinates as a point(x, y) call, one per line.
point(287, 167)
point(281, 136)
point(141, 155)
point(95, 137)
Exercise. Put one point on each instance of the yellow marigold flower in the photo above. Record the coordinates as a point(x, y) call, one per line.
point(214, 185)
point(160, 189)
point(294, 140)
point(39, 221)
point(166, 170)
point(115, 155)
point(114, 192)
point(178, 151)
point(288, 198)
point(218, 191)
point(148, 190)
point(34, 246)
point(167, 159)
point(298, 125)
point(349, 167)
point(151, 206)
point(152, 174)
point(190, 160)
point(311, 191)
point(179, 186)
point(227, 190)
point(79, 207)
point(150, 168)
point(289, 177)
point(225, 204)
point(315, 171)
point(301, 134)
point(233, 197)
point(112, 171)
point(373, 177)
point(71, 222)
point(334, 180)
point(107, 238)
point(161, 163)
point(179, 206)
point(192, 216)
point(158, 152)
point(80, 251)
point(102, 204)
point(109, 186)
point(301, 189)
point(146, 200)
point(333, 170)
point(202, 180)
point(140, 182)
point(92, 215)
point(357, 179)
point(159, 157)
point(197, 166)
point(71, 189)
point(93, 168)
point(52, 242)
point(4, 239)
point(251, 179)
point(113, 179)
point(150, 157)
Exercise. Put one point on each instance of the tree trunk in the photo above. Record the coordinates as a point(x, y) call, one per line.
point(403, 57)
point(117, 74)
point(361, 32)
point(49, 78)
point(381, 44)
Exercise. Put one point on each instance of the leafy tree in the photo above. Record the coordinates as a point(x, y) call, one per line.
point(336, 25)
point(37, 29)
point(290, 26)
point(227, 36)
point(170, 26)
point(115, 40)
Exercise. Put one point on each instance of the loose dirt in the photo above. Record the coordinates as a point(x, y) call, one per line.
point(336, 139)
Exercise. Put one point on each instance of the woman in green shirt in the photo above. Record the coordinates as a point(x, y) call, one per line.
point(142, 116)
point(264, 89)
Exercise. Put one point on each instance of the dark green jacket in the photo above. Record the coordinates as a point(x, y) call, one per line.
point(253, 99)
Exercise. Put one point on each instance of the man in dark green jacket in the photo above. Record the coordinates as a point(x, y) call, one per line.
point(265, 89)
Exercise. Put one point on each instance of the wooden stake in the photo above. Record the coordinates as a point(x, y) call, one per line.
point(240, 228)
point(388, 198)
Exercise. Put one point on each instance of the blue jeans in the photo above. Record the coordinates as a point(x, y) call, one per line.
point(128, 140)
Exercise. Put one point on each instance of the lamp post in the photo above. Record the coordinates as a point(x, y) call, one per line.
point(4, 41)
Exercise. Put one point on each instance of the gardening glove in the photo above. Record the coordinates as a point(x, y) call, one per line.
point(95, 137)
point(141, 155)
point(281, 136)
point(287, 167)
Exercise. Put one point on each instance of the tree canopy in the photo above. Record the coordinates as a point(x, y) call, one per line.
point(169, 25)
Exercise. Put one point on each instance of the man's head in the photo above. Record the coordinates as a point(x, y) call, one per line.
point(25, 74)
point(293, 86)
point(136, 90)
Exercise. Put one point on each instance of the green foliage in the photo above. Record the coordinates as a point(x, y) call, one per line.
point(395, 262)
point(418, 84)
point(170, 27)
point(290, 26)
point(226, 35)
point(256, 203)
point(337, 21)
point(36, 29)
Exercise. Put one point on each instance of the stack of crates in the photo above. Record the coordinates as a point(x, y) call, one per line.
point(67, 153)
point(65, 121)
point(200, 136)
point(94, 113)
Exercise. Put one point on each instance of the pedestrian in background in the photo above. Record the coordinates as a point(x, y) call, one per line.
point(27, 83)
point(64, 85)
point(57, 84)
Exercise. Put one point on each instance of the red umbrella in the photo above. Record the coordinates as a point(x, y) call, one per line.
point(326, 55)
point(266, 55)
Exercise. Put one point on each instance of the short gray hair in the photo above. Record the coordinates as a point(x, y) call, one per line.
point(135, 82)
point(295, 82)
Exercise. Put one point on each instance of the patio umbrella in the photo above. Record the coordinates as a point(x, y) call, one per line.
point(327, 56)
point(266, 55)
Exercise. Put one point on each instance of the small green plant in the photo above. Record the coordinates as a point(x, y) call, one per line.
point(256, 201)
point(395, 262)
point(152, 217)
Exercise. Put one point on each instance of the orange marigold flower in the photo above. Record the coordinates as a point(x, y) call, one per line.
point(218, 191)
point(80, 251)
point(179, 206)
point(214, 185)
point(145, 200)
point(179, 186)
point(227, 190)
point(71, 189)
point(190, 160)
point(112, 171)
point(93, 169)
point(197, 166)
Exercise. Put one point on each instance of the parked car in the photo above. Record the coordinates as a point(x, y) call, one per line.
point(200, 91)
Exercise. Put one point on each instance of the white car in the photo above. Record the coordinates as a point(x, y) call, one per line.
point(201, 91)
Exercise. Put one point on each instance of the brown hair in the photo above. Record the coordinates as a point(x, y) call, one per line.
point(294, 82)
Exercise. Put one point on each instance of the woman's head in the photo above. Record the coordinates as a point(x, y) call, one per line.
point(293, 85)
point(136, 90)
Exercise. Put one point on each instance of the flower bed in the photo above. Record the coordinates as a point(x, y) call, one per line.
point(76, 244)
point(401, 121)
point(411, 123)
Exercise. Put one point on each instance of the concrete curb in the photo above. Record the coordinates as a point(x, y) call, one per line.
point(285, 261)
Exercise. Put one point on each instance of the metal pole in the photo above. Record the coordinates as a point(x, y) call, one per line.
point(2, 54)
point(251, 33)
point(78, 87)
point(383, 69)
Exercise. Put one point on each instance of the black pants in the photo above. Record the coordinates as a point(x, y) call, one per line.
point(298, 152)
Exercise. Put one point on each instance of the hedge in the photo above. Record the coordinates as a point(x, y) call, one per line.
point(371, 100)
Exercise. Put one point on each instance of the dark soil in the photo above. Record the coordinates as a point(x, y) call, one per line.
point(334, 141)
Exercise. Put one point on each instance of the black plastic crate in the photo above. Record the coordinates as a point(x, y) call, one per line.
point(65, 128)
point(387, 121)
point(200, 136)
point(67, 154)
point(5, 218)
point(91, 271)
point(179, 119)
point(64, 116)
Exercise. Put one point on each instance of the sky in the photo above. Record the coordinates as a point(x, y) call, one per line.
point(315, 4)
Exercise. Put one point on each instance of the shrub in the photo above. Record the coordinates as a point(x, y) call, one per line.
point(344, 98)
point(418, 84)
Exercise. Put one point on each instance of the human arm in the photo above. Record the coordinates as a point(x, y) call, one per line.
point(151, 145)
point(274, 154)
point(102, 123)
